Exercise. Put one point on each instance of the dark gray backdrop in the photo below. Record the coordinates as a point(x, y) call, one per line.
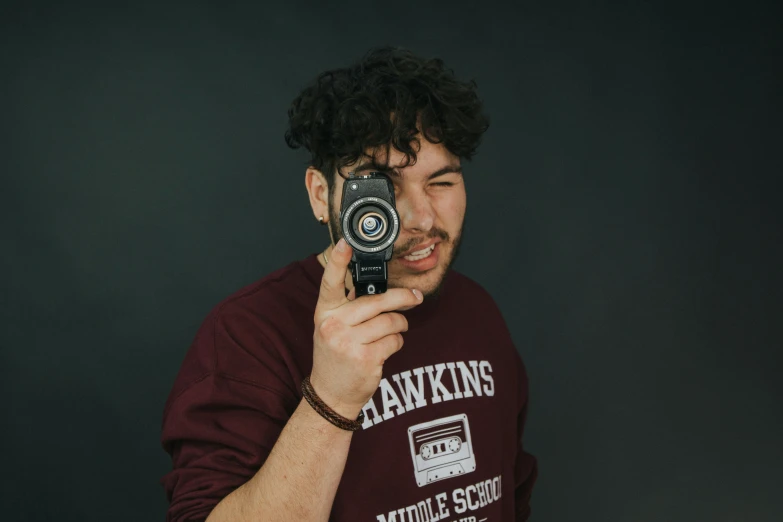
point(623, 211)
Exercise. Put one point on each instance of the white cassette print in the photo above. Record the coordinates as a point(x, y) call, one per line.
point(441, 449)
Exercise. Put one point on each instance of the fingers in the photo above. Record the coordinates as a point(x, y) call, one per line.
point(368, 306)
point(386, 346)
point(332, 293)
point(379, 327)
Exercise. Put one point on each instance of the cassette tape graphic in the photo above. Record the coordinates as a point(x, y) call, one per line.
point(441, 449)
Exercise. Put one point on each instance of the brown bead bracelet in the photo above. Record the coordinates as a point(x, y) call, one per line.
point(326, 412)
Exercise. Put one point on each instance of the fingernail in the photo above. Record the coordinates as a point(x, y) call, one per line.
point(417, 294)
point(341, 245)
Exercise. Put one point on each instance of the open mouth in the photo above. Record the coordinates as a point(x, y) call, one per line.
point(423, 259)
point(420, 254)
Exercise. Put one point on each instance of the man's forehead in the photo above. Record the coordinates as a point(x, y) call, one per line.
point(382, 159)
point(397, 162)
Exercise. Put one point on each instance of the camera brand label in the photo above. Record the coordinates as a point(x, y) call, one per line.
point(371, 269)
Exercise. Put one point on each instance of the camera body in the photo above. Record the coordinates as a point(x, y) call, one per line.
point(370, 225)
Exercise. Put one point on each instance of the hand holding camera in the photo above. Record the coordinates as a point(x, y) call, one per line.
point(354, 337)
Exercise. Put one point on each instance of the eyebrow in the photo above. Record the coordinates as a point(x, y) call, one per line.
point(448, 169)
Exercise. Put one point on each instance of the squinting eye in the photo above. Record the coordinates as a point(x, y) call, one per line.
point(445, 184)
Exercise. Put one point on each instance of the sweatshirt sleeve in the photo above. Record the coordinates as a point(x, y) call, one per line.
point(219, 426)
point(525, 465)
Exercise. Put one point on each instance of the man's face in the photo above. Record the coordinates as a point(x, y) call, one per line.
point(429, 209)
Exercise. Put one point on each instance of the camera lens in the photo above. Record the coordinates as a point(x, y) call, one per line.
point(371, 225)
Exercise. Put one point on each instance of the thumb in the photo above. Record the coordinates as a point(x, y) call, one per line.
point(332, 293)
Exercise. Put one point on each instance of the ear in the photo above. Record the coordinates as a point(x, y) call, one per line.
point(318, 190)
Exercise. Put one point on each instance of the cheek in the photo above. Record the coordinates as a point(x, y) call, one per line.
point(451, 209)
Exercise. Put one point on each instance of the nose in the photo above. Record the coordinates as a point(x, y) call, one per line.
point(416, 212)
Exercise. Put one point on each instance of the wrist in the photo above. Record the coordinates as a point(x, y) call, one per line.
point(347, 410)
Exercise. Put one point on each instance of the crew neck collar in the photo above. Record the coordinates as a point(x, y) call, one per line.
point(416, 316)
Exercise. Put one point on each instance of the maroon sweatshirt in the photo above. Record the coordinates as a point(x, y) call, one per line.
point(442, 436)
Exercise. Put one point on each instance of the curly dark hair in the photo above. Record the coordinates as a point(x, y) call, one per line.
point(377, 103)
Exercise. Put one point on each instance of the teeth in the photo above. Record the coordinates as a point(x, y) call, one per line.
point(420, 254)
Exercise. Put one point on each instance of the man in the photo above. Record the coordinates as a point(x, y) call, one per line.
point(422, 433)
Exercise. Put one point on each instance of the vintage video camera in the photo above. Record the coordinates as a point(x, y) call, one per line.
point(370, 226)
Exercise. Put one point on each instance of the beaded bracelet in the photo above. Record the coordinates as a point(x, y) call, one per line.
point(326, 412)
